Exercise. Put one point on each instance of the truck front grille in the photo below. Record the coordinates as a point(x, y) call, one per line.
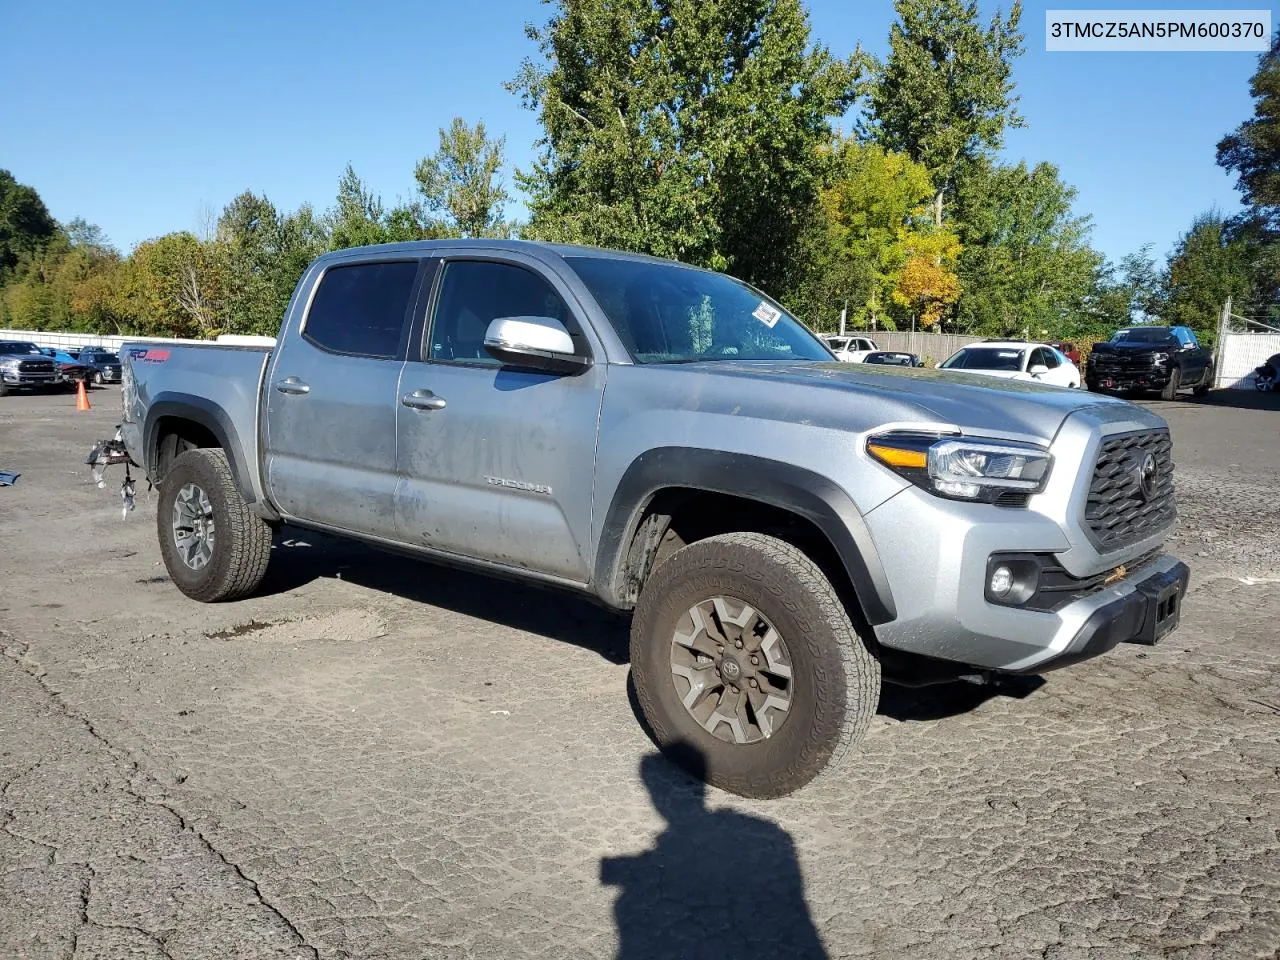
point(36, 366)
point(1122, 509)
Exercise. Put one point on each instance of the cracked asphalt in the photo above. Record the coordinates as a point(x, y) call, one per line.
point(383, 758)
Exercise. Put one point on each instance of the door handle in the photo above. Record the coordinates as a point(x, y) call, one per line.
point(423, 400)
point(292, 386)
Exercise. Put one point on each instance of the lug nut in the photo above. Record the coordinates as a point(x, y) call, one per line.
point(753, 682)
point(755, 661)
point(738, 643)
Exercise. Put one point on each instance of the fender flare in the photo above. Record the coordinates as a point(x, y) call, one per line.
point(201, 410)
point(773, 482)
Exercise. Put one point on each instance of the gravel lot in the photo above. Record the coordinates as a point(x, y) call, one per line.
point(383, 758)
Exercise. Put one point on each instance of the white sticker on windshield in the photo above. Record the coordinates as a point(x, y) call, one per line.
point(766, 314)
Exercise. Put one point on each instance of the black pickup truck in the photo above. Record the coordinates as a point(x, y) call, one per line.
point(1167, 359)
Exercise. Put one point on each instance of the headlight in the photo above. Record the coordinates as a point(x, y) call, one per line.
point(10, 365)
point(963, 469)
point(1159, 359)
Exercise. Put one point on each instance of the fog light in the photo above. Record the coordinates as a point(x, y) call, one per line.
point(1001, 582)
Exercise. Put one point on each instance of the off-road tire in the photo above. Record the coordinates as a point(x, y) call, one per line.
point(242, 540)
point(1170, 391)
point(836, 679)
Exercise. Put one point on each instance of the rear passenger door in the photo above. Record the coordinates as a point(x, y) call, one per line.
point(331, 402)
point(499, 467)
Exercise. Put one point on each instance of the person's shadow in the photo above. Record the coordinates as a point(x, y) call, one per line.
point(717, 884)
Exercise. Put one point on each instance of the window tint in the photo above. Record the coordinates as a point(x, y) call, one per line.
point(360, 309)
point(474, 293)
point(1046, 356)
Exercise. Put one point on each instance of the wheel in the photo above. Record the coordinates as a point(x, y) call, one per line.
point(214, 547)
point(97, 378)
point(1170, 391)
point(742, 652)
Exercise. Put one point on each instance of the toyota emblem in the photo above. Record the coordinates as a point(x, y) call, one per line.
point(1148, 476)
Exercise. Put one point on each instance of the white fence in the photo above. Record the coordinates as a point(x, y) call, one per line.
point(1239, 354)
point(73, 342)
point(936, 346)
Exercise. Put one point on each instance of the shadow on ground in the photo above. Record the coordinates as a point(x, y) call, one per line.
point(716, 883)
point(299, 557)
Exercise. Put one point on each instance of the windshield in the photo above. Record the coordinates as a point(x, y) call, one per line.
point(667, 313)
point(1147, 335)
point(19, 348)
point(985, 358)
point(104, 358)
point(837, 343)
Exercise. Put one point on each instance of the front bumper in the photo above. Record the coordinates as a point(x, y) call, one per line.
point(938, 571)
point(1154, 378)
point(28, 379)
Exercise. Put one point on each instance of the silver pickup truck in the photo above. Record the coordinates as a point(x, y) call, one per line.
point(674, 443)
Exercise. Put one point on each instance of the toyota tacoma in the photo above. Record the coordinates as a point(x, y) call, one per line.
point(672, 442)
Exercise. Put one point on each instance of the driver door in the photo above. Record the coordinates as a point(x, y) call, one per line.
point(500, 466)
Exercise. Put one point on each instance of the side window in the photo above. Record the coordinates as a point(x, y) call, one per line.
point(474, 293)
point(1049, 358)
point(361, 309)
point(1186, 337)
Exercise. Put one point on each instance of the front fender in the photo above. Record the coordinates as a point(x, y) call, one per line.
point(776, 483)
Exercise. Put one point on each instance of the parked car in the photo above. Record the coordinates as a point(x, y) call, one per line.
point(1167, 359)
point(69, 368)
point(1015, 360)
point(893, 358)
point(1067, 349)
point(782, 527)
point(24, 367)
point(851, 349)
point(1265, 375)
point(104, 364)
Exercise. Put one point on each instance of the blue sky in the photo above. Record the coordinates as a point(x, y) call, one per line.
point(144, 116)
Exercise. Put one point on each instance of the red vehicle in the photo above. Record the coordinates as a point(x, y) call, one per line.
point(1067, 348)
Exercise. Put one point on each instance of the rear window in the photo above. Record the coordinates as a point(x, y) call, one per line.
point(361, 309)
point(985, 358)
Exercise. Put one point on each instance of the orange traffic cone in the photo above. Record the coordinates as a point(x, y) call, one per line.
point(82, 398)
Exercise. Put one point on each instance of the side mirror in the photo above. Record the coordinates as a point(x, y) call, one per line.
point(1039, 370)
point(534, 343)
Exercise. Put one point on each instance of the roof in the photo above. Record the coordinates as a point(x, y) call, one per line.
point(423, 247)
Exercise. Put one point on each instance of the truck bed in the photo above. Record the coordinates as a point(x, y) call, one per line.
point(222, 380)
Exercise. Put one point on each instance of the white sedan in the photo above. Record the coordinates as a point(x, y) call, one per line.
point(850, 349)
point(1015, 360)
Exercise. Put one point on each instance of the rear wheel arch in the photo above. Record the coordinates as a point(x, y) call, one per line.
point(179, 422)
point(673, 496)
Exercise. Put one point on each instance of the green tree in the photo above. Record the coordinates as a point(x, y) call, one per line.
point(1252, 151)
point(357, 219)
point(1025, 263)
point(462, 181)
point(25, 223)
point(1208, 265)
point(945, 94)
point(683, 128)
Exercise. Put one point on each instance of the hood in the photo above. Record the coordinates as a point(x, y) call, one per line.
point(976, 404)
point(1134, 348)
